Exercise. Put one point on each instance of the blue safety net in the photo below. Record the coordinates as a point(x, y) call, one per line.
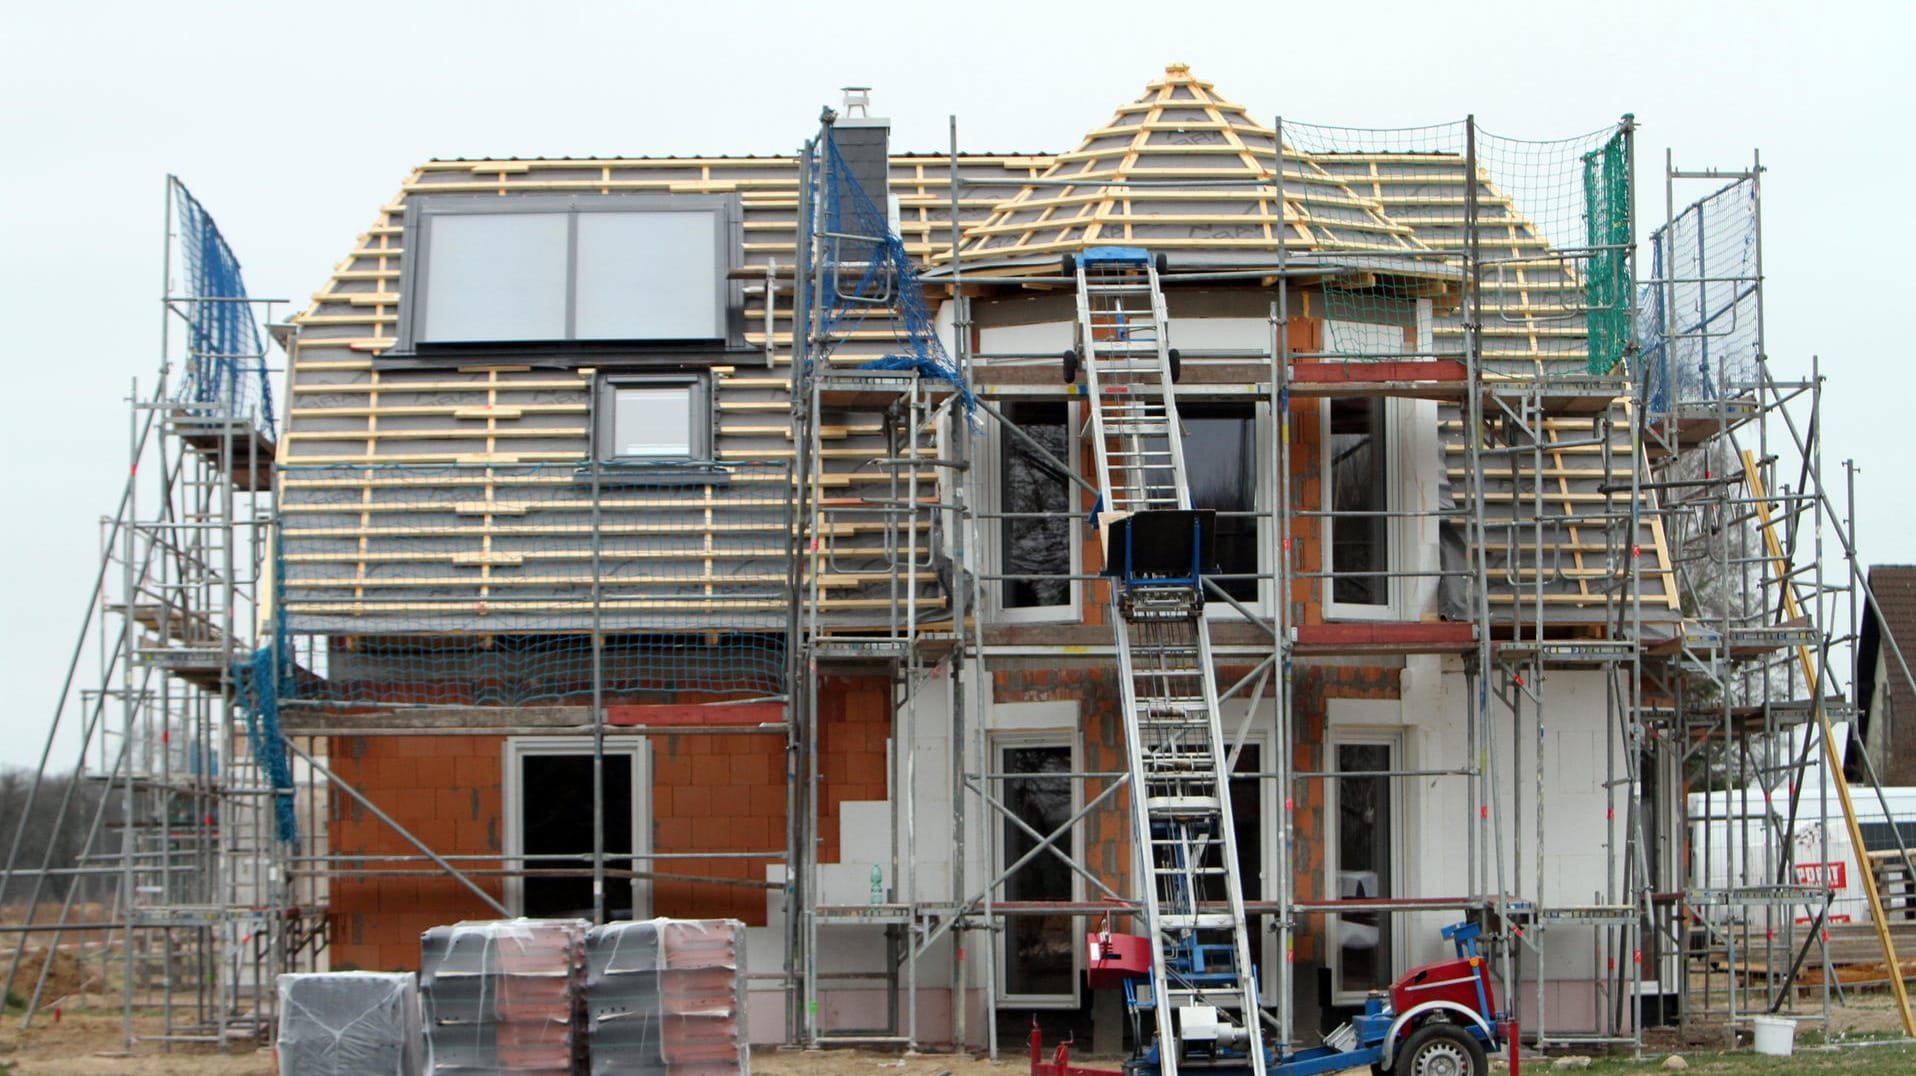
point(225, 351)
point(871, 280)
point(258, 677)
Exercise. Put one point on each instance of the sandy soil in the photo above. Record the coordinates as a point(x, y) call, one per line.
point(67, 976)
point(84, 1042)
point(75, 1044)
point(771, 1061)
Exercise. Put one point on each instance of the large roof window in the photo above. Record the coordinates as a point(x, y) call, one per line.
point(567, 270)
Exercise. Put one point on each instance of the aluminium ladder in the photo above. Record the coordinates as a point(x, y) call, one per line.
point(1203, 984)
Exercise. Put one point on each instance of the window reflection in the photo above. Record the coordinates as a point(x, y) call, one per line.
point(1040, 953)
point(1359, 543)
point(1220, 461)
point(1364, 855)
point(1035, 547)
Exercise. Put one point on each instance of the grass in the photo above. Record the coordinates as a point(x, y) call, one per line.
point(1890, 1058)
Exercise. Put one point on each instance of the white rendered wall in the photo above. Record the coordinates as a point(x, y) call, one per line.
point(1579, 835)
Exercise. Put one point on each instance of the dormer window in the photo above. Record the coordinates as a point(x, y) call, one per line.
point(642, 272)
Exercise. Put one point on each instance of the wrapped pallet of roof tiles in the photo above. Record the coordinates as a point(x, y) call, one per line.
point(504, 996)
point(349, 1023)
point(666, 997)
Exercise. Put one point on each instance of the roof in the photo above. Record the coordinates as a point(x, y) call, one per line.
point(391, 467)
point(1893, 611)
point(1182, 168)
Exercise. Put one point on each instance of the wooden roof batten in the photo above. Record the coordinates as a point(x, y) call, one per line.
point(1184, 170)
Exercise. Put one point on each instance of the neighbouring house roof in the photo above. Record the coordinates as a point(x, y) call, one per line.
point(1892, 614)
point(1885, 695)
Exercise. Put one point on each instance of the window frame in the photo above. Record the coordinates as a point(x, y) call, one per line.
point(1391, 437)
point(416, 262)
point(702, 432)
point(512, 797)
point(1264, 941)
point(1263, 499)
point(1059, 738)
point(1393, 741)
point(995, 451)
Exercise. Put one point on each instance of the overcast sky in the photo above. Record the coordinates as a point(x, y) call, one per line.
point(293, 124)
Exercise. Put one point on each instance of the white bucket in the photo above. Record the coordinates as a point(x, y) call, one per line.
point(1774, 1036)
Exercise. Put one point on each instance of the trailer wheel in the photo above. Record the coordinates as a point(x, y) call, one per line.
point(1439, 1049)
point(1070, 365)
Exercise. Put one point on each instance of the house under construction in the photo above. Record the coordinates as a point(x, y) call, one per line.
point(733, 537)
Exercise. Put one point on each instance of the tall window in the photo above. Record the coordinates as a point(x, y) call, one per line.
point(1035, 498)
point(1040, 952)
point(1366, 821)
point(1359, 483)
point(1220, 460)
point(1247, 825)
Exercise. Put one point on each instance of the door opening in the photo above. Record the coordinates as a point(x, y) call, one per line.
point(555, 834)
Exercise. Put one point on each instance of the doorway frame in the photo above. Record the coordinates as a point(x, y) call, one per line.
point(512, 794)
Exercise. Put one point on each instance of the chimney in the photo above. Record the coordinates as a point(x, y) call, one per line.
point(864, 141)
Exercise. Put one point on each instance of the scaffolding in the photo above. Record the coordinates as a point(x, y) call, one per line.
point(183, 813)
point(1516, 408)
point(1749, 700)
point(1561, 457)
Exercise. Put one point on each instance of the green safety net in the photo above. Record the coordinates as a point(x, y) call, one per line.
point(1606, 196)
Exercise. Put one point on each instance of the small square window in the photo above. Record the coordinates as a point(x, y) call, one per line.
point(654, 419)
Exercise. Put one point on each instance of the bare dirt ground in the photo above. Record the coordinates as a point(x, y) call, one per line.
point(772, 1061)
point(85, 1040)
point(78, 1042)
point(67, 976)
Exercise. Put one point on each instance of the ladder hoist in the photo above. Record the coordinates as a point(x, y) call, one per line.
point(1189, 976)
point(1202, 987)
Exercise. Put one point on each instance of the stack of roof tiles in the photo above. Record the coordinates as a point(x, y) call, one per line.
point(504, 996)
point(348, 1023)
point(666, 998)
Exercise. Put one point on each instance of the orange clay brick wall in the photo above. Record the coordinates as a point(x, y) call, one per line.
point(727, 793)
point(710, 793)
point(446, 791)
point(1106, 836)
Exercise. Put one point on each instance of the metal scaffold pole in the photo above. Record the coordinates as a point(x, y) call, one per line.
point(182, 810)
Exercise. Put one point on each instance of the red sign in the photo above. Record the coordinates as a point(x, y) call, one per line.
point(1827, 875)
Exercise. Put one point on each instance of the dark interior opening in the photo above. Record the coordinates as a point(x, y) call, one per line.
point(556, 820)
